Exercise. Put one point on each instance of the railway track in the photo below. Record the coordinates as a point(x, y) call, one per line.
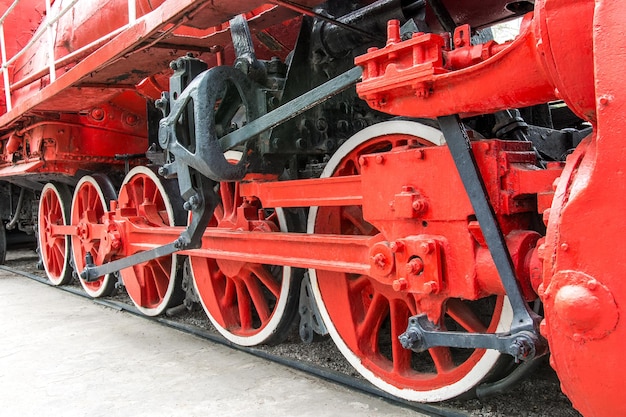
point(322, 360)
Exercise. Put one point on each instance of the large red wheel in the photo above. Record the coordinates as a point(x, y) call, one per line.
point(248, 303)
point(54, 206)
point(365, 317)
point(91, 200)
point(155, 285)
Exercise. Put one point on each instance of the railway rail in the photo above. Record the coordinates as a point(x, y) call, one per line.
point(306, 358)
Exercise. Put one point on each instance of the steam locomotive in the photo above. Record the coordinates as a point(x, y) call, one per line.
point(443, 204)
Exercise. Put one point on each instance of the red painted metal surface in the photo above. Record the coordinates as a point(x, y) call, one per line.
point(581, 287)
point(438, 221)
point(393, 237)
point(422, 77)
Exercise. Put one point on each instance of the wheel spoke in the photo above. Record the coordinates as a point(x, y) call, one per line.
point(399, 314)
point(369, 328)
point(227, 199)
point(442, 357)
point(243, 304)
point(230, 292)
point(265, 277)
point(258, 298)
point(463, 315)
point(354, 217)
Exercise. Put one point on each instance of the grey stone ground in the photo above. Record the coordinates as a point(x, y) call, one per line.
point(61, 355)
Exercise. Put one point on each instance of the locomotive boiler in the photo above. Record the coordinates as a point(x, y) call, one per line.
point(443, 204)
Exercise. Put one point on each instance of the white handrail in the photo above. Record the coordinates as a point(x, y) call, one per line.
point(51, 55)
point(9, 10)
point(3, 69)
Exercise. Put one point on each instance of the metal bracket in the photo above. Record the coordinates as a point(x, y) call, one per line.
point(421, 335)
point(246, 60)
point(461, 150)
point(311, 322)
point(203, 93)
point(523, 341)
point(92, 272)
point(292, 108)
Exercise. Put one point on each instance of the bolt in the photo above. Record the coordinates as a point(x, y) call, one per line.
point(379, 260)
point(427, 247)
point(343, 125)
point(396, 246)
point(605, 100)
point(419, 205)
point(116, 244)
point(546, 216)
point(301, 143)
point(541, 251)
point(541, 290)
point(592, 284)
point(97, 114)
point(414, 266)
point(363, 161)
point(400, 284)
point(409, 339)
point(131, 119)
point(192, 204)
point(564, 247)
point(520, 349)
point(430, 287)
point(163, 171)
point(380, 159)
point(393, 32)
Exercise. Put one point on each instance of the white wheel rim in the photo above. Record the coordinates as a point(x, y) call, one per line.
point(489, 359)
point(44, 255)
point(170, 213)
point(76, 252)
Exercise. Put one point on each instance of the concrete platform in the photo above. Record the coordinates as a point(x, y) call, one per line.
point(61, 355)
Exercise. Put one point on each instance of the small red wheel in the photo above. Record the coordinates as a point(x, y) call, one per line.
point(91, 200)
point(365, 317)
point(54, 250)
point(248, 303)
point(155, 285)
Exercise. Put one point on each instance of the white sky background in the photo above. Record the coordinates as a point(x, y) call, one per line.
point(506, 31)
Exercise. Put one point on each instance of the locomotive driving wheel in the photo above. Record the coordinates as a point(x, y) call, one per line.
point(54, 207)
point(365, 317)
point(91, 200)
point(155, 285)
point(248, 303)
